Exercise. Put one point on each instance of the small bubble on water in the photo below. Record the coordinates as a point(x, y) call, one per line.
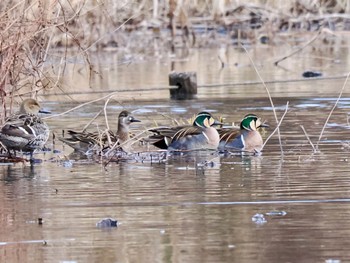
point(259, 219)
point(162, 231)
point(231, 246)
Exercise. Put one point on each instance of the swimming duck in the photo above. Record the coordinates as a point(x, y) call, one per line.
point(84, 142)
point(25, 131)
point(201, 135)
point(246, 138)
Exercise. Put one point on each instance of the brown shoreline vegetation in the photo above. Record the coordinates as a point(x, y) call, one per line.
point(39, 37)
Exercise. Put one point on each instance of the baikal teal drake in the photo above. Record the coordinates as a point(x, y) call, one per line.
point(247, 138)
point(88, 143)
point(201, 135)
point(25, 131)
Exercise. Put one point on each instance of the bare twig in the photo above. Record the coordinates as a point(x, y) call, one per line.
point(277, 127)
point(308, 138)
point(330, 113)
point(80, 106)
point(269, 95)
point(299, 49)
point(89, 123)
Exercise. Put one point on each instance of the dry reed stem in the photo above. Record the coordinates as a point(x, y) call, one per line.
point(270, 81)
point(308, 138)
point(269, 95)
point(116, 144)
point(277, 127)
point(91, 121)
point(81, 105)
point(330, 113)
point(299, 49)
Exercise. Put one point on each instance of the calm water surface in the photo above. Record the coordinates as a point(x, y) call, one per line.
point(180, 210)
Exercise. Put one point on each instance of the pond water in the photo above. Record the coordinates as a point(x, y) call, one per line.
point(179, 210)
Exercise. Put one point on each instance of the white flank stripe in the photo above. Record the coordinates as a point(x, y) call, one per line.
point(23, 130)
point(33, 131)
point(243, 142)
point(205, 136)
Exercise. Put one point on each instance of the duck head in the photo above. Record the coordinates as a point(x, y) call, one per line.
point(205, 120)
point(31, 106)
point(251, 122)
point(126, 118)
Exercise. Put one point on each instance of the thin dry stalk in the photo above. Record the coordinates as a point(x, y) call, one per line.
point(105, 111)
point(330, 113)
point(308, 138)
point(269, 95)
point(81, 105)
point(91, 121)
point(299, 49)
point(277, 127)
point(117, 144)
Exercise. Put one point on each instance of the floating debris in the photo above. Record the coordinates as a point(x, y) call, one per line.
point(67, 163)
point(276, 213)
point(210, 164)
point(259, 219)
point(40, 221)
point(149, 157)
point(107, 222)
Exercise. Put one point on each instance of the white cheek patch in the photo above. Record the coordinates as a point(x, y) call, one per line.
point(258, 123)
point(211, 121)
point(253, 125)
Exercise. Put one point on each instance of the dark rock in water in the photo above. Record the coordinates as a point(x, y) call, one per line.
point(311, 74)
point(107, 222)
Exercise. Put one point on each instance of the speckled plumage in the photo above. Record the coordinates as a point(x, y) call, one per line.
point(84, 142)
point(25, 131)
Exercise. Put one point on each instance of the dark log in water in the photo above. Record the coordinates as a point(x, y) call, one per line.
point(186, 83)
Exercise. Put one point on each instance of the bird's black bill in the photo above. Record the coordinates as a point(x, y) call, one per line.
point(45, 111)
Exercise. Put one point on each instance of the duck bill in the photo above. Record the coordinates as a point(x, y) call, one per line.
point(264, 125)
point(217, 123)
point(135, 120)
point(45, 111)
